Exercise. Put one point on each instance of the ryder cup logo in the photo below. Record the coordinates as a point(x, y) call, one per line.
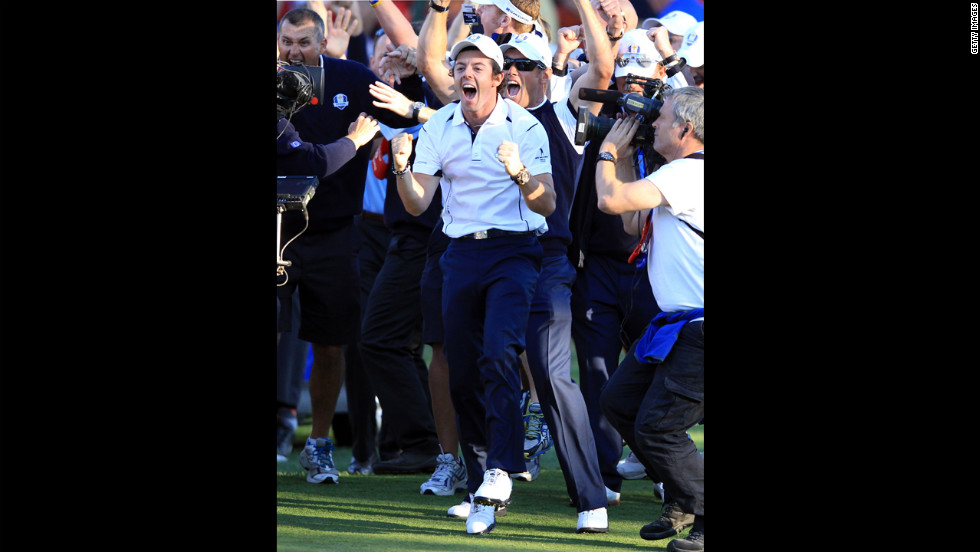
point(340, 101)
point(633, 49)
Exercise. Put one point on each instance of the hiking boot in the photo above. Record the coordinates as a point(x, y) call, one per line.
point(537, 438)
point(449, 477)
point(481, 519)
point(317, 457)
point(495, 490)
point(407, 462)
point(285, 430)
point(532, 469)
point(631, 468)
point(593, 521)
point(672, 521)
point(694, 541)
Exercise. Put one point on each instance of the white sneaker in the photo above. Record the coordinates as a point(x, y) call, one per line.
point(481, 519)
point(449, 477)
point(532, 470)
point(317, 457)
point(631, 468)
point(593, 521)
point(612, 497)
point(462, 510)
point(495, 490)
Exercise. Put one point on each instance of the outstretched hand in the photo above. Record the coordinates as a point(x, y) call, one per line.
point(362, 130)
point(390, 99)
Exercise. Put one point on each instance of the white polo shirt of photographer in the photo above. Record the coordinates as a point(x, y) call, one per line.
point(477, 192)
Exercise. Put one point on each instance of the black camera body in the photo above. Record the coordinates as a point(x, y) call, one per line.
point(297, 86)
point(647, 105)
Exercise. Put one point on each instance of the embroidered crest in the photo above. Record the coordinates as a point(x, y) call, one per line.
point(340, 101)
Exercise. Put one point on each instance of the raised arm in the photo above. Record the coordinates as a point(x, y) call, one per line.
point(415, 191)
point(393, 21)
point(431, 55)
point(600, 54)
point(616, 194)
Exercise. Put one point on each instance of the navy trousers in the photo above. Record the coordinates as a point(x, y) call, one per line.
point(549, 342)
point(486, 299)
point(611, 306)
point(654, 405)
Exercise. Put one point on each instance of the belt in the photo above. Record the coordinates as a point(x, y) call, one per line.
point(368, 215)
point(495, 233)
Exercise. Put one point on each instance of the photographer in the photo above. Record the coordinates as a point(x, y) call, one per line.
point(657, 393)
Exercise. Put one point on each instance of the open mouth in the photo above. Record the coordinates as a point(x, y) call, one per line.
point(513, 89)
point(469, 91)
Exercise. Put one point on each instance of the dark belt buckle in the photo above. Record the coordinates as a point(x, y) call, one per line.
point(480, 235)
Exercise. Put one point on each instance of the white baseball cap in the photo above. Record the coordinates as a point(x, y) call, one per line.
point(677, 22)
point(485, 44)
point(510, 9)
point(639, 53)
point(692, 49)
point(532, 46)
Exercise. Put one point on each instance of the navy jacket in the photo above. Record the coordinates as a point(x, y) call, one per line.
point(339, 195)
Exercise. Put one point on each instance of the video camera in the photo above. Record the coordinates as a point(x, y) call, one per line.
point(297, 86)
point(647, 105)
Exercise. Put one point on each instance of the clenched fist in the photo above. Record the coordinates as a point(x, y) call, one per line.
point(508, 154)
point(401, 150)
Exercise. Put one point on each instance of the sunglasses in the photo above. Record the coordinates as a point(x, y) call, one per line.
point(523, 64)
point(643, 61)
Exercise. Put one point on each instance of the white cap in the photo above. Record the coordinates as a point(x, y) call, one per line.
point(692, 49)
point(636, 44)
point(532, 46)
point(510, 9)
point(677, 22)
point(485, 44)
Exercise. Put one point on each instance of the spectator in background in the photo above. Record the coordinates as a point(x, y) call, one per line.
point(323, 257)
point(611, 300)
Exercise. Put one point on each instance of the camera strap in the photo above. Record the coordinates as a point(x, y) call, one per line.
point(642, 246)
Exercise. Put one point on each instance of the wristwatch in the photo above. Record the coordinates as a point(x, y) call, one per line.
point(606, 156)
point(416, 108)
point(437, 7)
point(522, 177)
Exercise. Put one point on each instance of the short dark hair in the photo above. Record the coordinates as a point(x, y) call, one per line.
point(299, 16)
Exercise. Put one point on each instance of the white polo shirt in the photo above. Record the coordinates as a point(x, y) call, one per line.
point(676, 263)
point(477, 192)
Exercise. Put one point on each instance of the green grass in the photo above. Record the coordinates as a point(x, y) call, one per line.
point(386, 512)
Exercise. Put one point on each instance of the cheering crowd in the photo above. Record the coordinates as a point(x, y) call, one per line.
point(501, 189)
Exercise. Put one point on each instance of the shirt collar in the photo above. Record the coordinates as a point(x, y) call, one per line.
point(497, 116)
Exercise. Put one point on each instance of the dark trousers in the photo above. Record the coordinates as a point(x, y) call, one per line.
point(549, 342)
point(486, 300)
point(373, 239)
point(391, 347)
point(611, 306)
point(654, 405)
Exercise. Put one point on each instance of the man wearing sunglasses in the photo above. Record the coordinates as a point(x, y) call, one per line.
point(527, 72)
